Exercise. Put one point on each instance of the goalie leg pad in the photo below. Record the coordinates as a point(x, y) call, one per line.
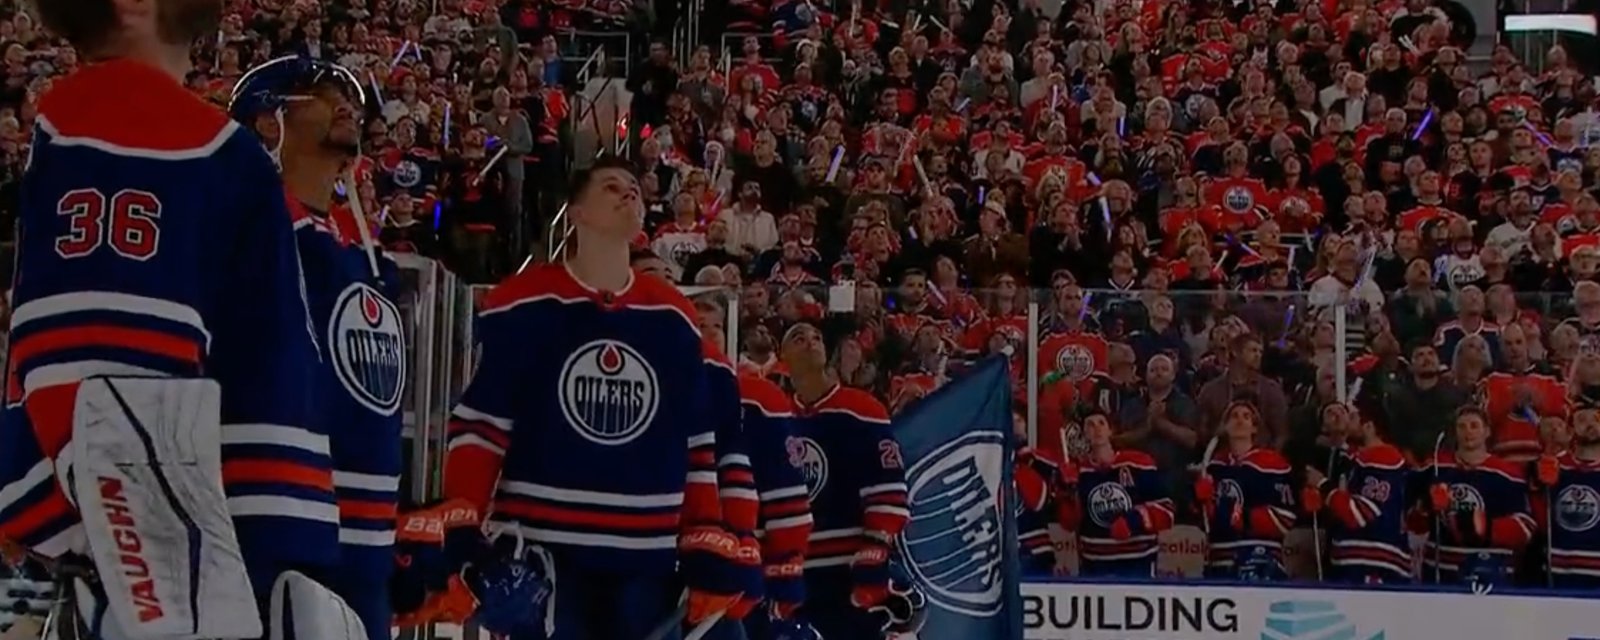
point(146, 475)
point(303, 609)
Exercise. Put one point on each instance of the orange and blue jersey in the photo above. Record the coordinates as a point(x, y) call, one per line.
point(1128, 489)
point(357, 393)
point(1575, 524)
point(1498, 490)
point(853, 472)
point(785, 519)
point(155, 242)
point(570, 423)
point(1367, 533)
point(1254, 506)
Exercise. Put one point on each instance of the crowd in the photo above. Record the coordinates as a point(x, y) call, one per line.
point(1184, 190)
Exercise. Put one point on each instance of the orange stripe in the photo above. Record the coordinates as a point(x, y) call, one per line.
point(106, 335)
point(276, 471)
point(50, 411)
point(369, 509)
point(34, 518)
point(470, 475)
point(736, 477)
point(631, 521)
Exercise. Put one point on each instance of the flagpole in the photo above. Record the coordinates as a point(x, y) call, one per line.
point(1031, 360)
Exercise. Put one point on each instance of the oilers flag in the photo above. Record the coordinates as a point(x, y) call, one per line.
point(961, 543)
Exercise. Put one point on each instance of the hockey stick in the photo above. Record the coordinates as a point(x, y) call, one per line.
point(1205, 461)
point(673, 621)
point(1438, 518)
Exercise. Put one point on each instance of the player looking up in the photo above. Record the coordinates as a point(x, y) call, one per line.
point(1247, 499)
point(591, 377)
point(1480, 503)
point(309, 112)
point(853, 470)
point(159, 347)
point(1116, 504)
point(1574, 490)
point(1366, 497)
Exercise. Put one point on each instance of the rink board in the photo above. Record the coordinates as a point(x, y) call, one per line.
point(1078, 610)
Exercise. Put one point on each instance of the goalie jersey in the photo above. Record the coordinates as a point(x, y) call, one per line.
point(585, 423)
point(359, 385)
point(154, 241)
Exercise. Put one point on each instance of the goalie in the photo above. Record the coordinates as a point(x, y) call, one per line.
point(156, 438)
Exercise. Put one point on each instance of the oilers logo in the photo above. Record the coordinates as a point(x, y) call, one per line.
point(1108, 500)
point(808, 456)
point(953, 543)
point(1229, 489)
point(368, 349)
point(1075, 361)
point(1578, 508)
point(1465, 497)
point(1238, 199)
point(407, 174)
point(609, 394)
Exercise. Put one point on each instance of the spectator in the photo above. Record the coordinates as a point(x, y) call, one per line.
point(1242, 381)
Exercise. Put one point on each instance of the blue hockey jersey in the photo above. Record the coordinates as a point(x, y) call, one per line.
point(854, 475)
point(1575, 532)
point(775, 455)
point(155, 241)
point(1254, 506)
point(1367, 532)
point(359, 386)
point(1128, 490)
point(570, 423)
point(1497, 490)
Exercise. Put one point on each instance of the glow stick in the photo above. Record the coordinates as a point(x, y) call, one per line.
point(1055, 96)
point(922, 175)
point(1288, 323)
point(497, 156)
point(445, 140)
point(1423, 126)
point(833, 167)
point(401, 55)
point(1083, 312)
point(1539, 135)
point(962, 106)
point(983, 194)
point(377, 90)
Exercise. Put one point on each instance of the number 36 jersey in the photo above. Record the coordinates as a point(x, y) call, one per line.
point(154, 242)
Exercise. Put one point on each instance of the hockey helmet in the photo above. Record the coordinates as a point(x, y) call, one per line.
point(274, 83)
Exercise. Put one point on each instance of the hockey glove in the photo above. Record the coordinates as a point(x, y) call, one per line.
point(752, 585)
point(432, 545)
point(514, 596)
point(1439, 498)
point(786, 585)
point(1205, 490)
point(903, 609)
point(869, 570)
point(1469, 527)
point(713, 571)
point(1546, 472)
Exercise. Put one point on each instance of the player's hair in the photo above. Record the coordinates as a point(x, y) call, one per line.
point(581, 178)
point(88, 24)
point(1472, 410)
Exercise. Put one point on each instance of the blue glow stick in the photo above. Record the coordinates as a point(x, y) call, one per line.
point(1288, 323)
point(1423, 126)
point(1083, 312)
point(962, 106)
point(438, 211)
point(983, 194)
point(401, 55)
point(1539, 135)
point(833, 167)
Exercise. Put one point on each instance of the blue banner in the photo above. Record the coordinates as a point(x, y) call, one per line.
point(961, 545)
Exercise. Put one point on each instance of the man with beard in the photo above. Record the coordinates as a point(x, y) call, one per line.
point(1571, 481)
point(161, 334)
point(308, 111)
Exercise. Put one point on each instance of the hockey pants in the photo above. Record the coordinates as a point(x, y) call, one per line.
point(829, 610)
point(597, 605)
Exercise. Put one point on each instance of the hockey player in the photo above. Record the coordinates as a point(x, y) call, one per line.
point(159, 348)
point(1480, 505)
point(1573, 479)
point(309, 112)
point(591, 377)
point(1365, 498)
point(1116, 504)
point(1038, 484)
point(857, 485)
point(1247, 501)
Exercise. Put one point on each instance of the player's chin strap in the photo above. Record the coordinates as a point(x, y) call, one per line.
point(353, 195)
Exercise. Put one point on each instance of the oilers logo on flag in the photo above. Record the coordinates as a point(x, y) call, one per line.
point(808, 456)
point(368, 348)
point(953, 543)
point(609, 393)
point(1108, 500)
point(1578, 508)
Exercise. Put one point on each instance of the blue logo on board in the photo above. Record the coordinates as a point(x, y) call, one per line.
point(1311, 620)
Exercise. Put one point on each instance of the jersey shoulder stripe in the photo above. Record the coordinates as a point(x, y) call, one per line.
point(131, 109)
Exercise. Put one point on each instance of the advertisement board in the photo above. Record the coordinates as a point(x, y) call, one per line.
point(1121, 611)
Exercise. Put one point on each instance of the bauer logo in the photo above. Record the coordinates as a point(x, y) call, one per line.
point(953, 543)
point(609, 393)
point(368, 348)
